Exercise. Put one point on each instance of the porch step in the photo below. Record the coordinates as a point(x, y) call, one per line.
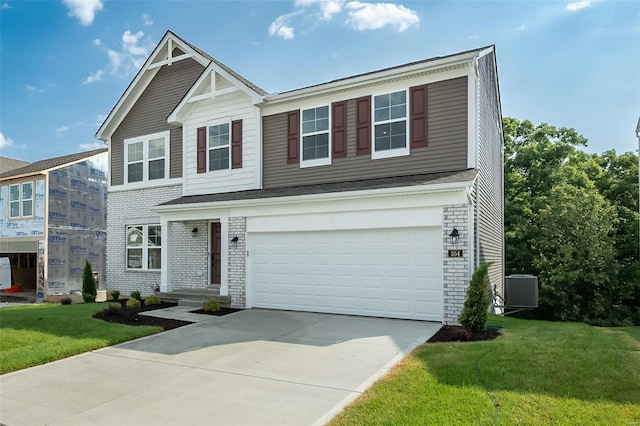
point(195, 297)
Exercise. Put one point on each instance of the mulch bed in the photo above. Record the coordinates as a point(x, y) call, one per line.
point(455, 333)
point(131, 316)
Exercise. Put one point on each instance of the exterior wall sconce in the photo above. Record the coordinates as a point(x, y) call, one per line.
point(234, 239)
point(194, 231)
point(454, 235)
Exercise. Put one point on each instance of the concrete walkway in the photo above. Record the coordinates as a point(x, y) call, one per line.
point(251, 367)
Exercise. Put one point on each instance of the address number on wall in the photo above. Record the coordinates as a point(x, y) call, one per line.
point(455, 253)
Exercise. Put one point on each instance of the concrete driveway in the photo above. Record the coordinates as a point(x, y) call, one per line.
point(251, 367)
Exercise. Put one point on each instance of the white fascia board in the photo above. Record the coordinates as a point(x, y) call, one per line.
point(140, 82)
point(473, 117)
point(375, 77)
point(176, 116)
point(311, 198)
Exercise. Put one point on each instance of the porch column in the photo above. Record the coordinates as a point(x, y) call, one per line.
point(165, 271)
point(224, 245)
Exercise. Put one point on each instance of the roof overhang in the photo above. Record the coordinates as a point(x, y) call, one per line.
point(161, 56)
point(415, 69)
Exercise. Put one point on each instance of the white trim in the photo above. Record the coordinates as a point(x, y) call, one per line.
point(165, 254)
point(21, 200)
point(394, 152)
point(316, 161)
point(145, 182)
point(215, 123)
point(171, 60)
point(142, 79)
point(473, 111)
point(176, 116)
point(144, 247)
point(311, 198)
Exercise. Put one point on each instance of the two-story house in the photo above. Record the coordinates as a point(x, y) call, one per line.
point(52, 220)
point(375, 194)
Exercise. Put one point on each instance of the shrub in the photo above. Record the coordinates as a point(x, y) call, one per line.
point(115, 294)
point(65, 301)
point(211, 305)
point(89, 290)
point(112, 310)
point(136, 295)
point(133, 303)
point(476, 304)
point(152, 300)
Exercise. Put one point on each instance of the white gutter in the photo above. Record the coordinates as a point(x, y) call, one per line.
point(330, 196)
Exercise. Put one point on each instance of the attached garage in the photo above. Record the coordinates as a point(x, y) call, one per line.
point(381, 272)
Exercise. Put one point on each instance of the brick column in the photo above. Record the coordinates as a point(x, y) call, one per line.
point(455, 269)
point(237, 276)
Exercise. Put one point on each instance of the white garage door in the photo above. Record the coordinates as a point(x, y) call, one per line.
point(395, 273)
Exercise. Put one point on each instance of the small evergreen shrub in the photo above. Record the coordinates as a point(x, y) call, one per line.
point(152, 300)
point(115, 294)
point(65, 301)
point(211, 305)
point(476, 304)
point(136, 295)
point(133, 303)
point(89, 290)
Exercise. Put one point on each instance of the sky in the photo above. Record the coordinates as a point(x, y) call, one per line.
point(64, 64)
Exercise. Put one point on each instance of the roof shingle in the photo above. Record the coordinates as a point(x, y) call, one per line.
point(50, 163)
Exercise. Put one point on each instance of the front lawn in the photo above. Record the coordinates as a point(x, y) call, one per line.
point(36, 334)
point(536, 373)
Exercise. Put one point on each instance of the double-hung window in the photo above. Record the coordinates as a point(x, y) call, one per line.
point(315, 137)
point(144, 247)
point(21, 200)
point(218, 147)
point(390, 125)
point(146, 158)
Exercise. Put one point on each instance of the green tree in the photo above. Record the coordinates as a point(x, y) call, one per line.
point(476, 304)
point(89, 290)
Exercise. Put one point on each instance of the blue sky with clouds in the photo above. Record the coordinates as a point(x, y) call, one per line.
point(64, 64)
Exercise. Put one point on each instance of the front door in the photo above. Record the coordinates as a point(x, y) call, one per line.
point(216, 253)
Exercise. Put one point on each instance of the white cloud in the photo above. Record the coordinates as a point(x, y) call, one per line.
point(5, 6)
point(91, 146)
point(125, 61)
point(63, 129)
point(280, 27)
point(32, 90)
point(146, 20)
point(328, 8)
point(100, 119)
point(523, 26)
point(97, 42)
point(94, 77)
point(5, 142)
point(84, 10)
point(473, 37)
point(577, 5)
point(373, 16)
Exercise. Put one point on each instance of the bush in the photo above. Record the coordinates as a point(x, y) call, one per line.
point(65, 301)
point(115, 294)
point(89, 290)
point(152, 300)
point(112, 310)
point(133, 303)
point(476, 304)
point(211, 305)
point(136, 295)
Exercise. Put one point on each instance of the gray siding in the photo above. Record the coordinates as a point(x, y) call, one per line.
point(490, 185)
point(150, 112)
point(446, 150)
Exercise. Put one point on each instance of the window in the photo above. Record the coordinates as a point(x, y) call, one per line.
point(146, 158)
point(315, 136)
point(21, 200)
point(218, 147)
point(390, 125)
point(144, 247)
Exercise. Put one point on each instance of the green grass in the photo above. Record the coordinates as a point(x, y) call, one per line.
point(36, 334)
point(538, 373)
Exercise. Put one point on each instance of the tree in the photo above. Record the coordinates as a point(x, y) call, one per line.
point(89, 290)
point(476, 304)
point(565, 211)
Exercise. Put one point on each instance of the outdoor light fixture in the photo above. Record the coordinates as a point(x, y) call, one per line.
point(234, 239)
point(195, 230)
point(454, 235)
